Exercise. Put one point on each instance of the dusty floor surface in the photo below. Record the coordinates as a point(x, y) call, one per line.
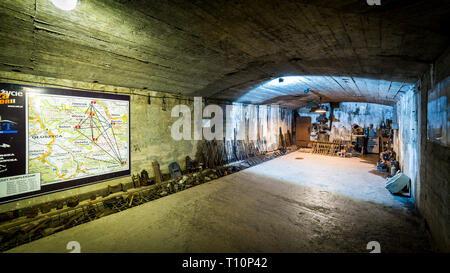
point(283, 205)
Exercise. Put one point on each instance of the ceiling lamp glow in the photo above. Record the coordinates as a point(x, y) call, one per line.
point(65, 4)
point(321, 110)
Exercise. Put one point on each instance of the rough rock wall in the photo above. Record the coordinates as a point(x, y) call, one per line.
point(349, 113)
point(363, 114)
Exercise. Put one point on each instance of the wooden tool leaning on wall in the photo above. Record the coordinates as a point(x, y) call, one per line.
point(157, 171)
point(280, 140)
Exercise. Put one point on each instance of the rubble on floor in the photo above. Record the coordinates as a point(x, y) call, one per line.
point(398, 183)
point(22, 226)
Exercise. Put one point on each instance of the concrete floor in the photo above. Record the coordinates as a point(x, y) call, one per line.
point(283, 205)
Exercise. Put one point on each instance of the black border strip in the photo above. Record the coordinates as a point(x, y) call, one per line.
point(276, 262)
point(46, 189)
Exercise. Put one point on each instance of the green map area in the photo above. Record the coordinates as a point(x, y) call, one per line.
point(75, 137)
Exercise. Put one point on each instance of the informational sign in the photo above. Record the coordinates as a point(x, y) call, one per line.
point(12, 132)
point(18, 184)
point(69, 138)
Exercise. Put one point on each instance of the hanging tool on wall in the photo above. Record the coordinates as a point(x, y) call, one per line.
point(235, 145)
point(163, 104)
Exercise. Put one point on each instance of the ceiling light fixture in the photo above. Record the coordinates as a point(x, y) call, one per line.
point(65, 4)
point(321, 110)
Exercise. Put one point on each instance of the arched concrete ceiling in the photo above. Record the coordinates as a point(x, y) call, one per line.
point(224, 49)
point(297, 91)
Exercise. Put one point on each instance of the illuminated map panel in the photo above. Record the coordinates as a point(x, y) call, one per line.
point(74, 137)
point(53, 139)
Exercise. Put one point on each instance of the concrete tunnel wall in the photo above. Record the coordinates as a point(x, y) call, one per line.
point(425, 160)
point(406, 140)
point(433, 187)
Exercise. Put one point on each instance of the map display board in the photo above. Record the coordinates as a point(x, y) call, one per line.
point(60, 138)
